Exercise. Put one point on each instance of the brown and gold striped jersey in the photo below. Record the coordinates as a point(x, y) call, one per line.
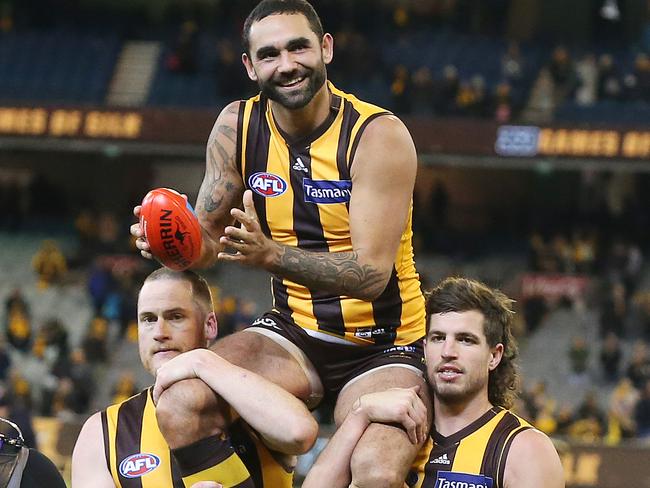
point(138, 456)
point(301, 190)
point(472, 457)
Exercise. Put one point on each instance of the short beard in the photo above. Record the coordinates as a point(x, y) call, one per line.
point(316, 79)
point(455, 397)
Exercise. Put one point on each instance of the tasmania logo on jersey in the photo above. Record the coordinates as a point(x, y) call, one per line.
point(267, 184)
point(139, 464)
point(448, 479)
point(326, 191)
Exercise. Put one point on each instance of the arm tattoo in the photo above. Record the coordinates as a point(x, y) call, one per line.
point(338, 273)
point(214, 177)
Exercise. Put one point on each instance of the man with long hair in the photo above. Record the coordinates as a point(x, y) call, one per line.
point(475, 439)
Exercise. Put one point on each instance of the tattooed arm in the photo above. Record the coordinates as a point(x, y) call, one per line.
point(383, 176)
point(222, 185)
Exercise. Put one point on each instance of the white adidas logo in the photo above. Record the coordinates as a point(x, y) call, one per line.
point(299, 165)
point(441, 460)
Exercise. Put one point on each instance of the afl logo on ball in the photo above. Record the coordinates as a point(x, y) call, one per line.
point(267, 184)
point(138, 465)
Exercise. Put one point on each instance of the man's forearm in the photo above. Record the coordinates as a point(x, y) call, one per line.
point(332, 468)
point(339, 273)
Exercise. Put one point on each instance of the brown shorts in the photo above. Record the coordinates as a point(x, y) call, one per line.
point(338, 364)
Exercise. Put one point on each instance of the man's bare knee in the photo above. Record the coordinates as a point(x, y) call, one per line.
point(369, 472)
point(382, 458)
point(189, 411)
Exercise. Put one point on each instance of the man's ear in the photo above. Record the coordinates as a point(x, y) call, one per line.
point(327, 47)
point(496, 353)
point(248, 64)
point(211, 327)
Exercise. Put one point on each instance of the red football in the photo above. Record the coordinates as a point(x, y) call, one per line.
point(171, 228)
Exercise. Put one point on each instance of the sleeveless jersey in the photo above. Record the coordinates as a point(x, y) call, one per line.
point(472, 457)
point(138, 456)
point(301, 190)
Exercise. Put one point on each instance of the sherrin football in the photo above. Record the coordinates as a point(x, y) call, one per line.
point(171, 228)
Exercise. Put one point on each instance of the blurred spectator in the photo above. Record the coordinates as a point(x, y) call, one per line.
point(231, 76)
point(535, 309)
point(503, 103)
point(642, 412)
point(622, 404)
point(5, 361)
point(589, 420)
point(638, 87)
point(55, 335)
point(563, 74)
point(609, 83)
point(446, 91)
point(124, 388)
point(642, 303)
point(15, 409)
point(563, 254)
point(75, 386)
point(512, 64)
point(481, 103)
point(587, 73)
point(564, 419)
point(100, 284)
point(610, 357)
point(584, 251)
point(82, 380)
point(244, 314)
point(400, 90)
point(638, 370)
point(613, 310)
point(536, 399)
point(49, 264)
point(545, 420)
point(183, 58)
point(95, 344)
point(578, 359)
point(422, 88)
point(18, 324)
point(108, 233)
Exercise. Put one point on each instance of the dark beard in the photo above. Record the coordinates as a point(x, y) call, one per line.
point(300, 97)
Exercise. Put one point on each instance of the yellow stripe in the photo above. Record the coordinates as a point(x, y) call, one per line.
point(248, 108)
point(413, 307)
point(420, 462)
point(273, 474)
point(229, 473)
point(153, 442)
point(471, 450)
point(111, 416)
point(279, 216)
point(279, 210)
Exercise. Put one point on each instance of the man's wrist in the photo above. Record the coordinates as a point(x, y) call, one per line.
point(359, 412)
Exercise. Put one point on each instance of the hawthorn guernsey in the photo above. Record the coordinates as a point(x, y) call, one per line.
point(171, 228)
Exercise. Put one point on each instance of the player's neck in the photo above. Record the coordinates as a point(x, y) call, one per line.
point(301, 122)
point(453, 417)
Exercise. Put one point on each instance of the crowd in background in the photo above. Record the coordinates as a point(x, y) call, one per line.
point(613, 259)
point(408, 50)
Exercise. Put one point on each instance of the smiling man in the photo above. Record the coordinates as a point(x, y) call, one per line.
point(123, 447)
point(315, 186)
point(475, 441)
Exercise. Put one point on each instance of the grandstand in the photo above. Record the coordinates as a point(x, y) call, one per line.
point(534, 178)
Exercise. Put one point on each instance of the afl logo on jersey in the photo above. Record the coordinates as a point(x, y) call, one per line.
point(138, 465)
point(267, 184)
